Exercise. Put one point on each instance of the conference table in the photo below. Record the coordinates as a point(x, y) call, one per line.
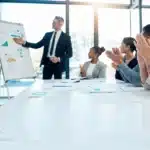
point(77, 115)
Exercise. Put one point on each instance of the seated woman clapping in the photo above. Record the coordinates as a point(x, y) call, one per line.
point(143, 55)
point(127, 48)
point(94, 68)
point(127, 73)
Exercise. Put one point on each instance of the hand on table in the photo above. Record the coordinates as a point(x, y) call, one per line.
point(54, 59)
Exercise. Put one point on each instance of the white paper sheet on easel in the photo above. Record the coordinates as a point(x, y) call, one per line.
point(15, 59)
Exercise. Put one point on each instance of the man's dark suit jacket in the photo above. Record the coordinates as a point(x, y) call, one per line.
point(63, 49)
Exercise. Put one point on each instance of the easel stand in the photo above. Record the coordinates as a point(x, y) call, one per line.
point(5, 83)
point(2, 78)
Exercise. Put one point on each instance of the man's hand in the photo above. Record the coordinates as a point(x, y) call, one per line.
point(19, 41)
point(141, 60)
point(147, 62)
point(143, 47)
point(117, 59)
point(143, 68)
point(54, 59)
point(142, 64)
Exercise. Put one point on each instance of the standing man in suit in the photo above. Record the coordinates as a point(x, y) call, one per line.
point(57, 47)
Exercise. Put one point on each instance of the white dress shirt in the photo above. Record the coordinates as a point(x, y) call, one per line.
point(55, 44)
point(90, 70)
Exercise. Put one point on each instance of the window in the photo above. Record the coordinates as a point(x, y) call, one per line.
point(114, 25)
point(145, 18)
point(34, 1)
point(145, 2)
point(135, 28)
point(82, 32)
point(37, 20)
point(113, 29)
point(106, 1)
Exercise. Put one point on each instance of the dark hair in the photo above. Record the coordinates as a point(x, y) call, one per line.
point(146, 30)
point(129, 41)
point(98, 50)
point(59, 18)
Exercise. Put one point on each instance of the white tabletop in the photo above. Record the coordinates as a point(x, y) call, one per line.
point(74, 118)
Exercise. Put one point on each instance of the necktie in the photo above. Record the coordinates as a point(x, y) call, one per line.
point(53, 42)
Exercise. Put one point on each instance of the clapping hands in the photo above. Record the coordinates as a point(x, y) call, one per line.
point(143, 53)
point(115, 56)
point(143, 46)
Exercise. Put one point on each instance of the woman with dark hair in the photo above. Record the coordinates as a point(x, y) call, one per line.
point(94, 68)
point(127, 48)
point(127, 67)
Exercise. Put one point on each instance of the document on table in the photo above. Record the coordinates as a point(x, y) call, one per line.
point(104, 88)
point(62, 84)
point(37, 94)
point(131, 88)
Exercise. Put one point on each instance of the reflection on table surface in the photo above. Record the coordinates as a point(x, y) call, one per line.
point(76, 119)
